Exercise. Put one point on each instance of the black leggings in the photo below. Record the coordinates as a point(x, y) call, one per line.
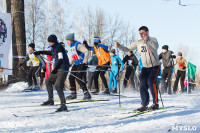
point(179, 75)
point(33, 74)
point(102, 70)
point(78, 76)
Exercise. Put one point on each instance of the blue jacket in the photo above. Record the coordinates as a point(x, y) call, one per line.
point(115, 60)
point(65, 63)
point(77, 56)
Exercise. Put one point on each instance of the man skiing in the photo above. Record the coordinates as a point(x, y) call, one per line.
point(37, 62)
point(167, 57)
point(104, 60)
point(182, 65)
point(147, 47)
point(58, 75)
point(115, 63)
point(131, 61)
point(79, 59)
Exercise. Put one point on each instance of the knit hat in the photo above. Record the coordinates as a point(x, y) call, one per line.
point(96, 39)
point(32, 45)
point(165, 47)
point(70, 36)
point(179, 54)
point(112, 51)
point(52, 38)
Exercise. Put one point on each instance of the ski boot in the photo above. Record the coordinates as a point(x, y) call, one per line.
point(114, 91)
point(96, 92)
point(154, 106)
point(36, 87)
point(63, 107)
point(106, 91)
point(28, 88)
point(73, 95)
point(87, 96)
point(141, 109)
point(48, 102)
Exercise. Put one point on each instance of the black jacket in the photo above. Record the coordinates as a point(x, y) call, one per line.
point(130, 60)
point(167, 58)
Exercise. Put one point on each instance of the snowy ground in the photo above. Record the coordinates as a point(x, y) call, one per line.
point(95, 117)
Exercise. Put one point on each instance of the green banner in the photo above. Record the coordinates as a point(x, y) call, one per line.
point(191, 70)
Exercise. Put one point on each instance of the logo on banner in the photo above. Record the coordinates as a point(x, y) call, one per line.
point(3, 32)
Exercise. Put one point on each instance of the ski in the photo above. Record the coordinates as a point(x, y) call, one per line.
point(49, 113)
point(81, 101)
point(144, 112)
point(111, 95)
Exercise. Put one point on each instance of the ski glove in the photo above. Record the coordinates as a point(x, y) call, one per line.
point(20, 64)
point(184, 68)
point(54, 71)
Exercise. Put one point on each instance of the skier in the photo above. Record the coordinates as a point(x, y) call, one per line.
point(48, 64)
point(92, 68)
point(79, 59)
point(131, 61)
point(182, 65)
point(104, 60)
point(58, 74)
point(147, 48)
point(167, 57)
point(115, 61)
point(37, 62)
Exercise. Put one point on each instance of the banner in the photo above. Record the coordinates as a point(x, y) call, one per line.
point(191, 70)
point(5, 44)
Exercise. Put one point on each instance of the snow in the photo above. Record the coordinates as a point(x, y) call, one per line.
point(95, 117)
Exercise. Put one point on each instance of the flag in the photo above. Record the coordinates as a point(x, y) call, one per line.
point(191, 70)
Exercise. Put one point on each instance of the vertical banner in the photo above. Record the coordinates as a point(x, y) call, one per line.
point(5, 44)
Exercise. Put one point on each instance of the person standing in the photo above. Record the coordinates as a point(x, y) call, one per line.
point(147, 47)
point(104, 60)
point(116, 64)
point(92, 68)
point(182, 65)
point(167, 57)
point(58, 75)
point(37, 63)
point(131, 61)
point(79, 61)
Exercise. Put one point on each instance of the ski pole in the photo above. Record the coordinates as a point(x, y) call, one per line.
point(119, 81)
point(77, 78)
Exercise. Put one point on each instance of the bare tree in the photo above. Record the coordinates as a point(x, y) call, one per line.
point(18, 35)
point(34, 20)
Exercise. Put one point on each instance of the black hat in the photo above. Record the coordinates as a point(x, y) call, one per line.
point(112, 51)
point(165, 47)
point(52, 38)
point(32, 45)
point(179, 54)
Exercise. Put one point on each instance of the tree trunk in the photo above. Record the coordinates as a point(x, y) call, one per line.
point(18, 37)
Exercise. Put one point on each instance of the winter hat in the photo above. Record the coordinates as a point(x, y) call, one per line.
point(96, 39)
point(112, 51)
point(52, 38)
point(165, 47)
point(179, 54)
point(32, 45)
point(70, 36)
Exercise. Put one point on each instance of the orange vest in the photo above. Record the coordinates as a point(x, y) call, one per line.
point(102, 55)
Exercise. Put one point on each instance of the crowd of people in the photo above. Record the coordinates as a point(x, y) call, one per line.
point(86, 72)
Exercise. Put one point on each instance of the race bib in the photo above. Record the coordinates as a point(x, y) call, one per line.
point(143, 48)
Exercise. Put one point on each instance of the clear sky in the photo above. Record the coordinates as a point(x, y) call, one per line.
point(169, 22)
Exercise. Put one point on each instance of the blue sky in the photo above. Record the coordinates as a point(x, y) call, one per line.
point(169, 22)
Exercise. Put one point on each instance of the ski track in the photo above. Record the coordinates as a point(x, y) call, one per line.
point(93, 117)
